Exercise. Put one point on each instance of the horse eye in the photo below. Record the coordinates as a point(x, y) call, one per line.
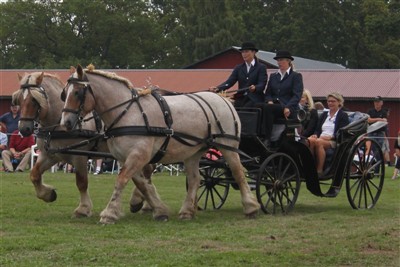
point(76, 93)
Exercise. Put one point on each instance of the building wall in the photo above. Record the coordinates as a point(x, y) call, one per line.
point(226, 60)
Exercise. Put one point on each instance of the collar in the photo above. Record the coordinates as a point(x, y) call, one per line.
point(286, 72)
point(252, 63)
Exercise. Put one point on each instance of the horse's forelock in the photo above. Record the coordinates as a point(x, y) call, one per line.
point(40, 98)
point(15, 96)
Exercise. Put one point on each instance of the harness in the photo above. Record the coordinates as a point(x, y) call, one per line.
point(168, 131)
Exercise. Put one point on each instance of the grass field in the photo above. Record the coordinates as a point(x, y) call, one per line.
point(318, 232)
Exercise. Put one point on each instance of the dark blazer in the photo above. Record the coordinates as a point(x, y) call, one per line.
point(287, 92)
point(257, 76)
point(309, 127)
point(342, 119)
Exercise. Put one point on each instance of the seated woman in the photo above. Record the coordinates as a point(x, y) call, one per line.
point(282, 95)
point(328, 126)
point(309, 126)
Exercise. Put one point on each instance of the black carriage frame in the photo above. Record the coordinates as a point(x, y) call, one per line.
point(276, 174)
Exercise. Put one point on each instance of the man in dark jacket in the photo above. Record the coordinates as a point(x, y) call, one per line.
point(251, 76)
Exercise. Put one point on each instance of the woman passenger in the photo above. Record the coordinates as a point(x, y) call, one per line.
point(328, 126)
point(310, 124)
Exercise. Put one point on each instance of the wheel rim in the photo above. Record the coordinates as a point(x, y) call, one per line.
point(278, 184)
point(365, 175)
point(214, 188)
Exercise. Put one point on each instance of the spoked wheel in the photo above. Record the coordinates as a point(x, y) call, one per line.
point(278, 184)
point(214, 187)
point(365, 174)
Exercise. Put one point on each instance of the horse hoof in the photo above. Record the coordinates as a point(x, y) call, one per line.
point(81, 215)
point(161, 218)
point(185, 217)
point(107, 220)
point(53, 196)
point(252, 215)
point(135, 208)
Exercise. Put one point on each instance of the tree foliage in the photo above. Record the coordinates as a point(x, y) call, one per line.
point(175, 33)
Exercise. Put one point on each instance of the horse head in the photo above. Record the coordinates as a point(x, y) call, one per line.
point(33, 101)
point(78, 102)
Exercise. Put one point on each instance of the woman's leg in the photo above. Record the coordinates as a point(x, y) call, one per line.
point(320, 147)
point(311, 144)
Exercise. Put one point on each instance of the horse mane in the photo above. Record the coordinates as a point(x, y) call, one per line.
point(109, 75)
point(113, 76)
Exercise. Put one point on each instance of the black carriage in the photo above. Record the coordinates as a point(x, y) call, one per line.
point(276, 173)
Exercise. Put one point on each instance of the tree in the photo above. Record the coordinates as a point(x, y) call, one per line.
point(206, 27)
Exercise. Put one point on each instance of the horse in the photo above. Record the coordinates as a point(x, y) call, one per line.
point(39, 98)
point(144, 127)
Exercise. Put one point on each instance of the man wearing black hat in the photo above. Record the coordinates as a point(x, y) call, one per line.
point(251, 76)
point(282, 94)
point(378, 114)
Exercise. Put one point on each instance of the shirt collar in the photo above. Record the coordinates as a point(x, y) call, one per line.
point(283, 74)
point(252, 63)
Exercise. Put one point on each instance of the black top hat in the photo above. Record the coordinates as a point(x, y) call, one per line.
point(248, 46)
point(283, 54)
point(378, 98)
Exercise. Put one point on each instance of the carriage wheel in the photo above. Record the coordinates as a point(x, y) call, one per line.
point(365, 174)
point(278, 184)
point(214, 187)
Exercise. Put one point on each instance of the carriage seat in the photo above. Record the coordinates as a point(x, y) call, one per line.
point(251, 119)
point(358, 123)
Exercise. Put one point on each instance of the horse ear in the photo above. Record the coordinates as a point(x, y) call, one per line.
point(80, 71)
point(19, 77)
point(72, 70)
point(39, 79)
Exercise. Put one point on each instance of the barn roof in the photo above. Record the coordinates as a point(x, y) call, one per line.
point(352, 84)
point(268, 59)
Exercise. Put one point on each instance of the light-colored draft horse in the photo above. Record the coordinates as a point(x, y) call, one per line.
point(39, 98)
point(143, 128)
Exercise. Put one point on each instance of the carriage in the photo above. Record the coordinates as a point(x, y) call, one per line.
point(276, 174)
point(143, 126)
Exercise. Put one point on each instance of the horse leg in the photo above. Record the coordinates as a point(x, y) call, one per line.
point(189, 206)
point(130, 169)
point(249, 202)
point(84, 208)
point(45, 192)
point(137, 201)
point(160, 211)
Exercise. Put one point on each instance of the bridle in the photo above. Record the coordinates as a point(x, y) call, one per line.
point(81, 96)
point(40, 89)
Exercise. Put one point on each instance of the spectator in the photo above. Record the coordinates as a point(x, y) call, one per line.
point(19, 152)
point(309, 125)
point(397, 156)
point(99, 167)
point(328, 126)
point(386, 146)
point(378, 114)
point(282, 94)
point(3, 140)
point(319, 106)
point(251, 74)
point(11, 119)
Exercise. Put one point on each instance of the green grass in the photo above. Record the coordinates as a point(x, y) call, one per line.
point(318, 232)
